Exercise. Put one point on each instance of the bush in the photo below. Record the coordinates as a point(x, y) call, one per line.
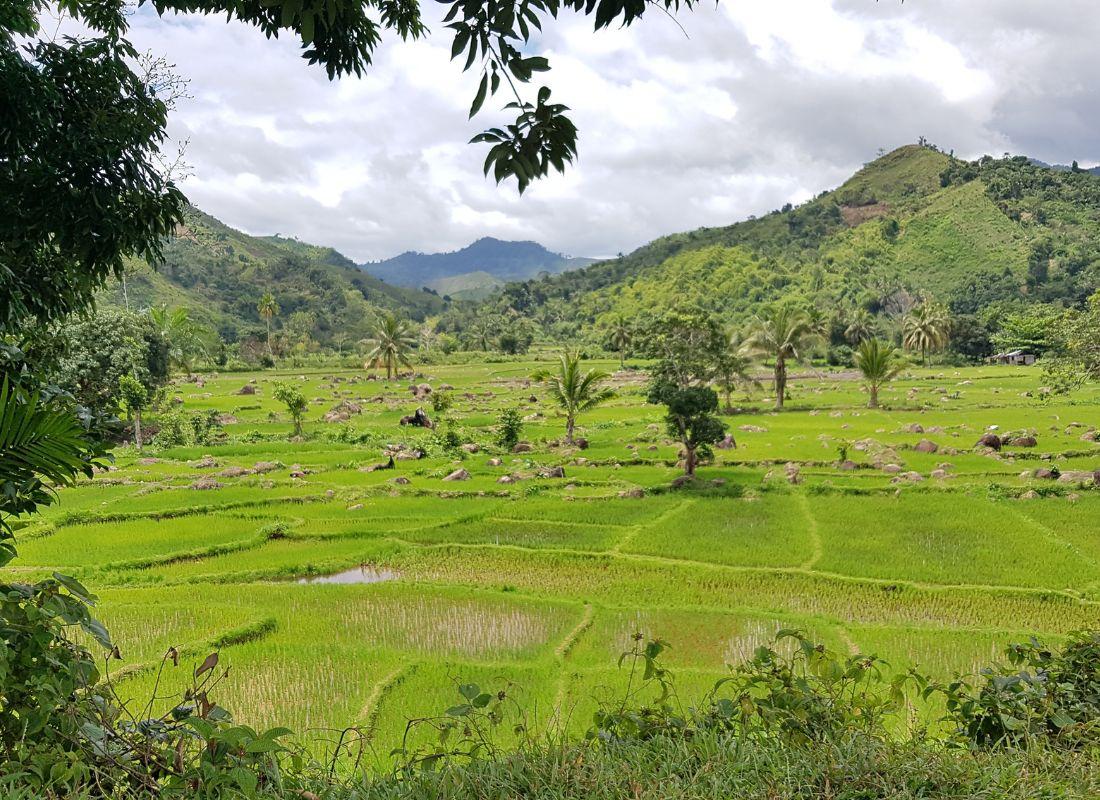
point(177, 428)
point(509, 428)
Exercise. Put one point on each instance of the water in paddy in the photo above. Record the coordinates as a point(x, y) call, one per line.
point(365, 573)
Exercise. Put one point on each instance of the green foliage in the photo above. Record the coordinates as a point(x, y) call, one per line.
point(88, 357)
point(81, 131)
point(689, 416)
point(783, 333)
point(393, 342)
point(878, 363)
point(1032, 329)
point(179, 428)
point(184, 336)
point(572, 390)
point(296, 404)
point(509, 428)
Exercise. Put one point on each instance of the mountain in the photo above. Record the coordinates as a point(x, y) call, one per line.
point(220, 273)
point(486, 263)
point(1064, 167)
point(915, 221)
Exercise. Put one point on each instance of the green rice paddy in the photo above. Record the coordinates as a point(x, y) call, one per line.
point(540, 582)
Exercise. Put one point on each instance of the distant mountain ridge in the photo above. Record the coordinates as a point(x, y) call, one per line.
point(484, 264)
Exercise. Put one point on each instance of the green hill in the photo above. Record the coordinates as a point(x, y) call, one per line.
point(915, 222)
point(220, 273)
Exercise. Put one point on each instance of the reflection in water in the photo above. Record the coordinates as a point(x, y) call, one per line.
point(364, 573)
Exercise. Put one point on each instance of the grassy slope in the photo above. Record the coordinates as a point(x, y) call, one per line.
point(944, 236)
point(220, 273)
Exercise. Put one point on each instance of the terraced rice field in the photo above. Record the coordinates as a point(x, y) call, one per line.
point(541, 582)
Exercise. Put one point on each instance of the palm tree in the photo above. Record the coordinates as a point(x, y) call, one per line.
point(268, 308)
point(879, 364)
point(732, 367)
point(573, 390)
point(925, 328)
point(782, 333)
point(182, 334)
point(393, 340)
point(621, 336)
point(861, 326)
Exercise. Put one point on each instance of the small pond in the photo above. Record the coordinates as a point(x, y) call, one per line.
point(364, 573)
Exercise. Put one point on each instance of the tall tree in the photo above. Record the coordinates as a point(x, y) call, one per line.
point(781, 333)
point(879, 364)
point(686, 344)
point(291, 396)
point(732, 366)
point(183, 335)
point(620, 334)
point(268, 309)
point(861, 326)
point(574, 391)
point(393, 340)
point(926, 328)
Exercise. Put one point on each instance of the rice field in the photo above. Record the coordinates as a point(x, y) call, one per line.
point(342, 596)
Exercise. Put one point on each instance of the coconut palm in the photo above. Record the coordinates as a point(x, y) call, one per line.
point(925, 328)
point(782, 333)
point(620, 336)
point(574, 391)
point(732, 367)
point(393, 341)
point(268, 309)
point(879, 364)
point(181, 333)
point(861, 326)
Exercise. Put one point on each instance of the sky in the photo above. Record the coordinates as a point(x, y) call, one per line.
point(749, 105)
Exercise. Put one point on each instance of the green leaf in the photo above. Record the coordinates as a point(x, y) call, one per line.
point(479, 99)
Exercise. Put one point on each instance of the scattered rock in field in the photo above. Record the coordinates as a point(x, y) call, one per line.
point(297, 471)
point(458, 475)
point(445, 387)
point(716, 482)
point(635, 494)
point(913, 427)
point(938, 474)
point(753, 429)
point(506, 479)
point(1042, 472)
point(408, 455)
point(471, 447)
point(727, 443)
point(355, 507)
point(206, 462)
point(1030, 494)
point(234, 472)
point(1083, 477)
point(580, 443)
point(206, 482)
point(910, 477)
point(522, 447)
point(1025, 440)
point(261, 467)
point(401, 480)
point(248, 388)
point(990, 440)
point(926, 446)
point(554, 472)
point(1090, 436)
point(1073, 497)
point(794, 473)
point(847, 465)
point(494, 462)
point(891, 469)
point(145, 462)
point(682, 481)
point(417, 419)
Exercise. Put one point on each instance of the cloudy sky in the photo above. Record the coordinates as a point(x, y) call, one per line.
point(753, 104)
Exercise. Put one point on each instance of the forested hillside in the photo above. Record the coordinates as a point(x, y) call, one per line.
point(914, 223)
point(484, 264)
point(220, 274)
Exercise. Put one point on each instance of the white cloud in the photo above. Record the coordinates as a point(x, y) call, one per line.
point(764, 102)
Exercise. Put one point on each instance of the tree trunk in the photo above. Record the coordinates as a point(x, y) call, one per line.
point(622, 358)
point(873, 402)
point(689, 460)
point(269, 351)
point(570, 424)
point(780, 382)
point(137, 429)
point(729, 406)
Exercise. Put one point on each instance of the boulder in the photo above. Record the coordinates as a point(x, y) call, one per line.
point(458, 475)
point(682, 481)
point(891, 469)
point(261, 467)
point(554, 472)
point(248, 388)
point(1042, 472)
point(1030, 494)
point(471, 447)
point(938, 474)
point(417, 419)
point(408, 455)
point(926, 446)
point(580, 443)
point(727, 443)
point(913, 427)
point(494, 462)
point(522, 447)
point(847, 465)
point(206, 482)
point(753, 429)
point(635, 493)
point(401, 480)
point(1022, 441)
point(506, 479)
point(990, 440)
point(234, 472)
